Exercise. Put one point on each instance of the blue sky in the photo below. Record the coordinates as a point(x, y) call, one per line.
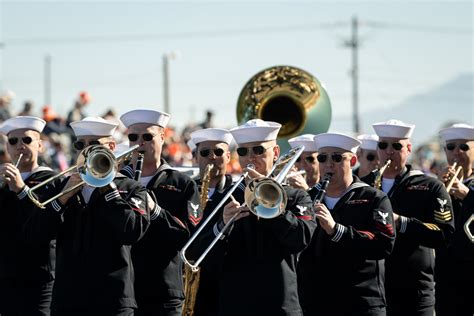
point(114, 51)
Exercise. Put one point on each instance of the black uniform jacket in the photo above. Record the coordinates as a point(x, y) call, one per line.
point(207, 299)
point(349, 264)
point(23, 258)
point(260, 258)
point(158, 267)
point(427, 222)
point(94, 267)
point(455, 262)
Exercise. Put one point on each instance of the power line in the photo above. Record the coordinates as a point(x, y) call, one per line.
point(418, 28)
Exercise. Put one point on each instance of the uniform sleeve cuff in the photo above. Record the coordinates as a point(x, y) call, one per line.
point(403, 224)
point(112, 195)
point(23, 193)
point(340, 230)
point(217, 229)
point(155, 212)
point(56, 206)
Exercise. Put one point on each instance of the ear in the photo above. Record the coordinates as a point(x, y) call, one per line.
point(409, 147)
point(112, 145)
point(276, 153)
point(40, 146)
point(353, 161)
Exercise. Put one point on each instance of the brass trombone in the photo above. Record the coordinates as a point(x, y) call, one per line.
point(265, 197)
point(96, 165)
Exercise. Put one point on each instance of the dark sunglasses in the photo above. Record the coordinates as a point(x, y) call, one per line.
point(452, 146)
point(257, 150)
point(146, 137)
point(80, 144)
point(309, 159)
point(370, 157)
point(322, 158)
point(206, 152)
point(25, 140)
point(384, 145)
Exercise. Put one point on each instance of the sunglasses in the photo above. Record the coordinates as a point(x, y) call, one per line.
point(370, 157)
point(218, 152)
point(25, 140)
point(384, 145)
point(80, 144)
point(309, 159)
point(452, 146)
point(322, 158)
point(146, 137)
point(257, 150)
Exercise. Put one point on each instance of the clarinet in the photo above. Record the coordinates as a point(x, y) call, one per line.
point(138, 167)
point(322, 190)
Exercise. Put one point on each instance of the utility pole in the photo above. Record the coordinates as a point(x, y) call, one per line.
point(47, 80)
point(166, 86)
point(353, 43)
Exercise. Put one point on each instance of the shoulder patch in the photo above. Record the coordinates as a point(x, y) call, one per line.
point(194, 213)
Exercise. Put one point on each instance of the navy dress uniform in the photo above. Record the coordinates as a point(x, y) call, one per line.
point(454, 263)
point(260, 255)
point(346, 262)
point(211, 147)
point(95, 228)
point(423, 214)
point(26, 264)
point(158, 267)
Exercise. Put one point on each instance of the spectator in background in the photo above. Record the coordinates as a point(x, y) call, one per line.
point(27, 109)
point(77, 113)
point(208, 122)
point(5, 101)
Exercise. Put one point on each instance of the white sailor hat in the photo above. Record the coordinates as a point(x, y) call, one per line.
point(93, 126)
point(393, 129)
point(191, 145)
point(255, 130)
point(337, 140)
point(368, 141)
point(211, 134)
point(457, 131)
point(22, 122)
point(152, 117)
point(307, 140)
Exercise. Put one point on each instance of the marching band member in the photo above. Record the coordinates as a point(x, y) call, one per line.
point(212, 147)
point(307, 162)
point(424, 220)
point(453, 274)
point(260, 255)
point(26, 269)
point(367, 155)
point(95, 230)
point(354, 236)
point(158, 269)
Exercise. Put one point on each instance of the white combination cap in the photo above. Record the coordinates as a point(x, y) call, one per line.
point(337, 140)
point(457, 131)
point(394, 129)
point(307, 140)
point(368, 141)
point(152, 117)
point(22, 122)
point(255, 130)
point(211, 134)
point(93, 126)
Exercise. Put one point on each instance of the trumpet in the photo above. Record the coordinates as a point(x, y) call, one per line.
point(17, 163)
point(96, 165)
point(450, 183)
point(265, 198)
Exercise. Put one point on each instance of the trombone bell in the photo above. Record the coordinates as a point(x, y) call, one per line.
point(266, 198)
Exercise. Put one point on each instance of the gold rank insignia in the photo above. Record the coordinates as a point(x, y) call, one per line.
point(442, 215)
point(432, 226)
